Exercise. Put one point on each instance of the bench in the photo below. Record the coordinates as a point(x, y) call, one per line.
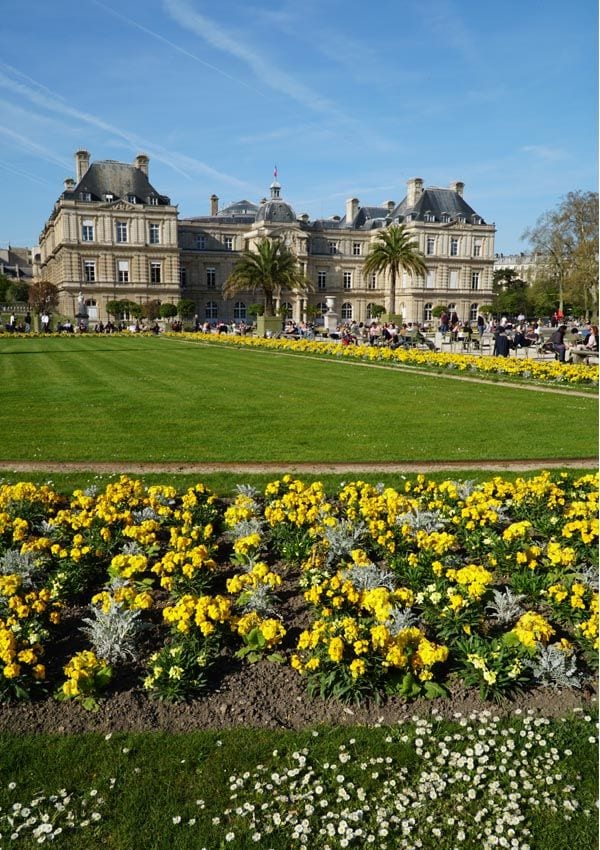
point(583, 355)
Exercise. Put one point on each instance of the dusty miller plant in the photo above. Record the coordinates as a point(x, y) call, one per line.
point(505, 607)
point(369, 577)
point(13, 562)
point(464, 488)
point(113, 633)
point(422, 521)
point(261, 600)
point(341, 540)
point(589, 575)
point(145, 514)
point(555, 667)
point(399, 619)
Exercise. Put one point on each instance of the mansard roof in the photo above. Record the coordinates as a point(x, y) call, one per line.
point(108, 177)
point(277, 211)
point(243, 210)
point(436, 203)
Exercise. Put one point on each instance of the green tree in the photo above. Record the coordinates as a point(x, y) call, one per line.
point(4, 284)
point(511, 294)
point(439, 310)
point(151, 309)
point(256, 309)
point(186, 308)
point(566, 238)
point(120, 308)
point(43, 296)
point(392, 252)
point(17, 292)
point(168, 311)
point(269, 269)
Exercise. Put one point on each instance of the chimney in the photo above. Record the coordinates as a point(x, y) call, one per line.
point(141, 161)
point(391, 206)
point(458, 187)
point(351, 210)
point(82, 163)
point(414, 188)
point(214, 205)
point(69, 184)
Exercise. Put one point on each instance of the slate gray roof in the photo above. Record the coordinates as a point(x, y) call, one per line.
point(277, 211)
point(436, 202)
point(239, 209)
point(117, 179)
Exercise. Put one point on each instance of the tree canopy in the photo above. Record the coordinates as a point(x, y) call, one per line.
point(269, 268)
point(512, 295)
point(43, 295)
point(392, 252)
point(566, 238)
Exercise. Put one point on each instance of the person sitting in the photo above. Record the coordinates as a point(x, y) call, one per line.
point(502, 343)
point(558, 343)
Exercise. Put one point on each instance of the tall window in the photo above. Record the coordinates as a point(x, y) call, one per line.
point(372, 281)
point(123, 271)
point(154, 234)
point(346, 310)
point(322, 307)
point(89, 271)
point(473, 312)
point(239, 311)
point(201, 243)
point(286, 309)
point(430, 279)
point(431, 244)
point(228, 242)
point(211, 310)
point(453, 246)
point(347, 280)
point(121, 231)
point(87, 231)
point(453, 282)
point(474, 280)
point(477, 247)
point(211, 278)
point(427, 312)
point(321, 280)
point(356, 249)
point(183, 277)
point(155, 272)
point(333, 247)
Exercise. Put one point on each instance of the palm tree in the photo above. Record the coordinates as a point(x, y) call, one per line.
point(269, 269)
point(394, 251)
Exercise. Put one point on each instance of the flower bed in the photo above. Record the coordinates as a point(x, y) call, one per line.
point(495, 583)
point(513, 368)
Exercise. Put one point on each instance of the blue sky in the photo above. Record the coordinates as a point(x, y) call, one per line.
point(346, 98)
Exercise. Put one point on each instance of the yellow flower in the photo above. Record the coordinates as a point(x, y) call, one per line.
point(336, 649)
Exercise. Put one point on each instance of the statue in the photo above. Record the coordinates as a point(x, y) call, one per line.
point(82, 310)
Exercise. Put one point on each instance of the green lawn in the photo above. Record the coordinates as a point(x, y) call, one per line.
point(148, 399)
point(401, 785)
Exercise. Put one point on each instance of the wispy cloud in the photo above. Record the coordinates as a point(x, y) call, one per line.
point(174, 46)
point(446, 23)
point(47, 100)
point(268, 73)
point(21, 141)
point(20, 173)
point(544, 152)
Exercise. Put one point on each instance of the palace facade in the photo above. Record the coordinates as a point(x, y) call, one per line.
point(112, 236)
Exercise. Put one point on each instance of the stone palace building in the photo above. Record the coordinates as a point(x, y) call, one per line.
point(112, 236)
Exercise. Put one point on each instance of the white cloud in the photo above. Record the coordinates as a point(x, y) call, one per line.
point(544, 152)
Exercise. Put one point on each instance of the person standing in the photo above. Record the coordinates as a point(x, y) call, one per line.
point(45, 322)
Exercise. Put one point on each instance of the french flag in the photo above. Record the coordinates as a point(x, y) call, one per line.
point(275, 172)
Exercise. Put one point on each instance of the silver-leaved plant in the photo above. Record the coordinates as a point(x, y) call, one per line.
point(114, 633)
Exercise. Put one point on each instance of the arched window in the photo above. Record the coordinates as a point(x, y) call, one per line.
point(473, 311)
point(239, 311)
point(322, 307)
point(373, 310)
point(451, 307)
point(286, 310)
point(346, 310)
point(427, 312)
point(211, 310)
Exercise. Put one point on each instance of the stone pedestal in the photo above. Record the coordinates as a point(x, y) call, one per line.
point(330, 319)
point(267, 326)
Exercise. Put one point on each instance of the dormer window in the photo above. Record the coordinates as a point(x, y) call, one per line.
point(153, 201)
point(460, 219)
point(429, 217)
point(132, 199)
point(445, 218)
point(85, 196)
point(109, 197)
point(476, 220)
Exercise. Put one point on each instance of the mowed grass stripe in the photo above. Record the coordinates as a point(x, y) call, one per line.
point(103, 399)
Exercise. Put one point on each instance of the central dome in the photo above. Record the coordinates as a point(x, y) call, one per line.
point(276, 209)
